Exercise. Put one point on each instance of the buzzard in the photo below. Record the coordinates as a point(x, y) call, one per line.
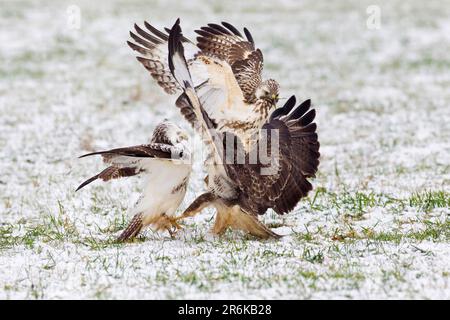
point(165, 163)
point(242, 189)
point(226, 68)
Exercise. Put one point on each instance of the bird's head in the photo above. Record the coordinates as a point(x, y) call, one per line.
point(268, 90)
point(169, 132)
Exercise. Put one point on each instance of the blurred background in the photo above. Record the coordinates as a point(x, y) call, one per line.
point(378, 73)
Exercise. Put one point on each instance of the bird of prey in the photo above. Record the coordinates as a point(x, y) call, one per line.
point(226, 68)
point(242, 189)
point(165, 163)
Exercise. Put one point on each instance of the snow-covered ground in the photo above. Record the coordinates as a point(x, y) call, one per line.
point(376, 226)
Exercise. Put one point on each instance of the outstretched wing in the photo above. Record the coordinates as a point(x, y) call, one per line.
point(226, 43)
point(130, 161)
point(290, 143)
point(151, 43)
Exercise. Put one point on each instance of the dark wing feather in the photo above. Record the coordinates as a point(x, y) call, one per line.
point(225, 42)
point(232, 29)
point(298, 159)
point(300, 110)
point(151, 150)
point(248, 72)
point(186, 109)
point(277, 113)
point(182, 73)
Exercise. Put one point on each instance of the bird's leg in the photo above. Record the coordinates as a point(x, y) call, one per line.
point(198, 205)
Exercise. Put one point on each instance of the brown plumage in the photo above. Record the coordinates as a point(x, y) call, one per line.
point(154, 60)
point(279, 190)
point(110, 173)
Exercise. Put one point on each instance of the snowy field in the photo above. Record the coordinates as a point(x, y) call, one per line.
point(377, 224)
